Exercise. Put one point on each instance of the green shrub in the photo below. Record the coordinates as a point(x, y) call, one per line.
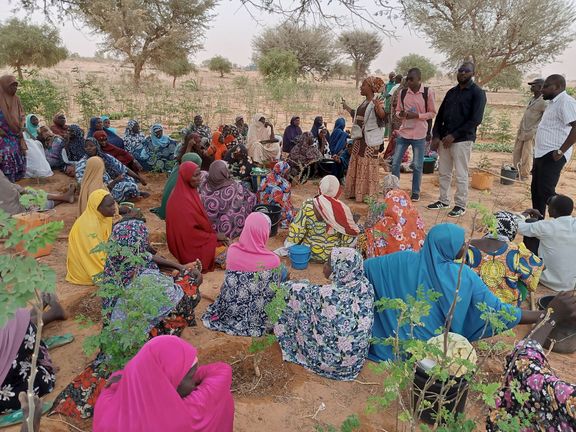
point(40, 96)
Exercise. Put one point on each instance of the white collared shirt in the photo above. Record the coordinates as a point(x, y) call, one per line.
point(555, 125)
point(557, 250)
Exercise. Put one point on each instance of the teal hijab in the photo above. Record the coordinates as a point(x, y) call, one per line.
point(30, 128)
point(171, 182)
point(433, 268)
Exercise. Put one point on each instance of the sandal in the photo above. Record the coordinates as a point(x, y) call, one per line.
point(58, 341)
point(17, 417)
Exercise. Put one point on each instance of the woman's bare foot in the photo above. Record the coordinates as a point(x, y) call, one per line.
point(70, 193)
point(56, 311)
point(26, 409)
point(144, 194)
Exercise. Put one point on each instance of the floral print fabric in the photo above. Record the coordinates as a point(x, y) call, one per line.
point(239, 308)
point(276, 189)
point(509, 272)
point(551, 402)
point(308, 230)
point(327, 328)
point(400, 228)
point(17, 379)
point(12, 161)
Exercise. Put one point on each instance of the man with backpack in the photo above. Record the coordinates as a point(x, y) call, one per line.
point(416, 108)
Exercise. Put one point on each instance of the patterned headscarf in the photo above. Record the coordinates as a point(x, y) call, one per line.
point(133, 141)
point(347, 268)
point(375, 83)
point(506, 225)
point(75, 148)
point(155, 140)
point(391, 182)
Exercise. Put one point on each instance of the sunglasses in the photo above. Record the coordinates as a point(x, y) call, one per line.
point(464, 70)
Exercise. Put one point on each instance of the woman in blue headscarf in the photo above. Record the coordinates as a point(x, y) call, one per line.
point(337, 143)
point(106, 124)
point(401, 274)
point(97, 124)
point(158, 151)
point(290, 134)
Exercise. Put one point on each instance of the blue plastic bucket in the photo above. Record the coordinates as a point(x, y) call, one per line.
point(299, 256)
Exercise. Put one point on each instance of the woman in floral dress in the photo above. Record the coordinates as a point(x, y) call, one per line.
point(398, 228)
point(327, 328)
point(276, 189)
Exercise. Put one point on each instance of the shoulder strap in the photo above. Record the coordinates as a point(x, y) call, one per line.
point(403, 95)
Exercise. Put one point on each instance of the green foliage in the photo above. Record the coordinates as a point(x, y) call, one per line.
point(175, 66)
point(143, 31)
point(89, 97)
point(241, 81)
point(138, 304)
point(398, 373)
point(21, 277)
point(220, 64)
point(509, 78)
point(278, 65)
point(23, 44)
point(427, 68)
point(34, 199)
point(495, 34)
point(494, 147)
point(351, 424)
point(503, 133)
point(486, 129)
point(41, 96)
point(312, 46)
point(487, 220)
point(341, 70)
point(273, 311)
point(361, 47)
point(571, 91)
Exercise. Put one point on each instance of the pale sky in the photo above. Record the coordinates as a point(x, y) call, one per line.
point(232, 30)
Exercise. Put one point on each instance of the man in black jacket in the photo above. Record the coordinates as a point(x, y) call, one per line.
point(454, 134)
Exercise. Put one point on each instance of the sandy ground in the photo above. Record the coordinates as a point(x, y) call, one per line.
point(287, 396)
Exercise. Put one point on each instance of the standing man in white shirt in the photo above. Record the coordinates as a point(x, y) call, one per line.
point(557, 242)
point(554, 139)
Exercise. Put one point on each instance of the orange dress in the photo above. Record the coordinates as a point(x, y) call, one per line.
point(400, 228)
point(218, 149)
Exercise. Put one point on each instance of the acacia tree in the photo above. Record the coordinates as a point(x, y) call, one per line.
point(220, 64)
point(495, 34)
point(362, 47)
point(312, 46)
point(427, 68)
point(140, 31)
point(23, 44)
point(278, 64)
point(175, 67)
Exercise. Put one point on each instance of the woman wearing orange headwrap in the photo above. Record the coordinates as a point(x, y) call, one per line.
point(12, 144)
point(362, 177)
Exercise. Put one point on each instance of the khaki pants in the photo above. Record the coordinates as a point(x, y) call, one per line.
point(523, 154)
point(456, 158)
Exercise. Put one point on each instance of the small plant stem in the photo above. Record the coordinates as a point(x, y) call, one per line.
point(38, 306)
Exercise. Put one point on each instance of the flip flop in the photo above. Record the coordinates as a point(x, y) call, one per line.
point(17, 417)
point(58, 341)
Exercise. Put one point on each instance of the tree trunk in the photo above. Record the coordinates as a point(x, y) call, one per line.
point(138, 66)
point(20, 74)
point(357, 74)
point(173, 82)
point(221, 74)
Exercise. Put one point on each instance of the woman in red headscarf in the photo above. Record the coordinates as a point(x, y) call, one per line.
point(188, 230)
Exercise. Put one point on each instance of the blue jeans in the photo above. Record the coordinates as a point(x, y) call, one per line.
point(402, 145)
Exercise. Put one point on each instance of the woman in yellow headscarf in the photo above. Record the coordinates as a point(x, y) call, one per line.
point(90, 229)
point(92, 180)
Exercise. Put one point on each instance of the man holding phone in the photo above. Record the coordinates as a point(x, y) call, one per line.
point(454, 133)
point(416, 108)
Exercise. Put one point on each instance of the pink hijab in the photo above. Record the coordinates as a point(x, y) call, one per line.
point(145, 398)
point(250, 254)
point(11, 337)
